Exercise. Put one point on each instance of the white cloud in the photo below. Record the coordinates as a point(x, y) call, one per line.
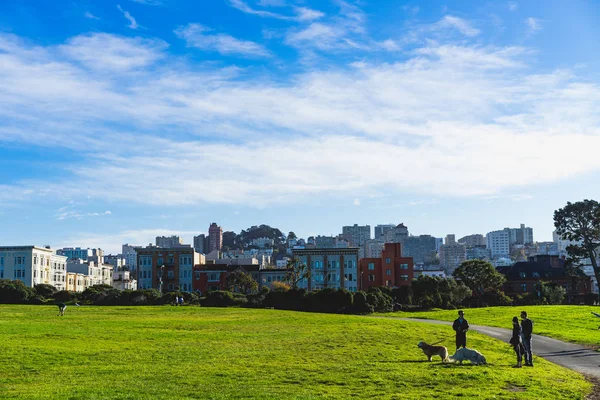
point(302, 14)
point(356, 202)
point(105, 51)
point(192, 135)
point(90, 15)
point(271, 3)
point(68, 213)
point(198, 36)
point(132, 22)
point(148, 2)
point(534, 25)
point(513, 5)
point(307, 14)
point(449, 21)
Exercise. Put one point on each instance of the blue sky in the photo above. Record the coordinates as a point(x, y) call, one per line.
point(123, 120)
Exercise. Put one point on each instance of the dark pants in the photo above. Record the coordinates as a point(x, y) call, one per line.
point(519, 350)
point(527, 347)
point(461, 340)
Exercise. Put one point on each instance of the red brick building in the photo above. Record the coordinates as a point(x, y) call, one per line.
point(171, 266)
point(210, 277)
point(391, 269)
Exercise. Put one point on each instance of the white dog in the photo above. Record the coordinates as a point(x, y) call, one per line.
point(464, 354)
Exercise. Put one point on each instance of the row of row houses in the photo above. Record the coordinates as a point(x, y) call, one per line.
point(182, 268)
point(35, 265)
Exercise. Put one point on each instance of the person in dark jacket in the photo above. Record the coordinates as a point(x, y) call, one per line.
point(461, 326)
point(515, 341)
point(526, 331)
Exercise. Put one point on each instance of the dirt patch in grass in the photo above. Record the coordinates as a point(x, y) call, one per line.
point(595, 395)
point(514, 388)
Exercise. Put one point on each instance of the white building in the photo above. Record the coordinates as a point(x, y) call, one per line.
point(123, 280)
point(498, 242)
point(117, 261)
point(100, 274)
point(33, 265)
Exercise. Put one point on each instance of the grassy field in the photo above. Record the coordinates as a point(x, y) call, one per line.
point(191, 352)
point(568, 323)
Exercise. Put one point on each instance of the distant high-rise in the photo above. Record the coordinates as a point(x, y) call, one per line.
point(452, 254)
point(168, 241)
point(199, 243)
point(397, 234)
point(357, 235)
point(498, 243)
point(421, 248)
point(472, 240)
point(381, 230)
point(215, 237)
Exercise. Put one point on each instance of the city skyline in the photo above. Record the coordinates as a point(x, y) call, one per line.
point(124, 121)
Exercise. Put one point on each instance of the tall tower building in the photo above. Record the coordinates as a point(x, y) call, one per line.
point(199, 243)
point(168, 241)
point(215, 237)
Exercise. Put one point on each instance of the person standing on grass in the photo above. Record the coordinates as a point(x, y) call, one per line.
point(461, 326)
point(61, 309)
point(526, 331)
point(515, 341)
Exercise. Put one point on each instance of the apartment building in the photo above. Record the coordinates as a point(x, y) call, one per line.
point(391, 269)
point(33, 265)
point(330, 268)
point(167, 269)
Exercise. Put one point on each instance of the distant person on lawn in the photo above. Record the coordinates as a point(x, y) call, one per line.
point(61, 309)
point(461, 326)
point(526, 331)
point(515, 341)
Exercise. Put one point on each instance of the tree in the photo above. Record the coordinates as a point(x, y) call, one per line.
point(291, 236)
point(580, 223)
point(479, 276)
point(296, 272)
point(241, 282)
point(44, 290)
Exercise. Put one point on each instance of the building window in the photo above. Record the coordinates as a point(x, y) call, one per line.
point(535, 274)
point(403, 277)
point(388, 260)
point(403, 266)
point(197, 275)
point(371, 277)
point(522, 274)
point(523, 287)
point(371, 266)
point(388, 272)
point(170, 274)
point(213, 276)
point(388, 283)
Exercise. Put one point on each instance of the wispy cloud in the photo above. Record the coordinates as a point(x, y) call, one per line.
point(301, 13)
point(464, 27)
point(356, 202)
point(513, 5)
point(90, 15)
point(313, 126)
point(132, 22)
point(149, 2)
point(68, 213)
point(111, 52)
point(200, 37)
point(534, 25)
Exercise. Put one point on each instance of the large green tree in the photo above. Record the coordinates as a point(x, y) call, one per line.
point(579, 223)
point(296, 271)
point(479, 276)
point(241, 282)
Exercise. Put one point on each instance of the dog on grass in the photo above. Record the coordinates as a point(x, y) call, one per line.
point(431, 351)
point(464, 354)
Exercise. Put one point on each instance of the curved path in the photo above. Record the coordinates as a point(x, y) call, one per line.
point(569, 355)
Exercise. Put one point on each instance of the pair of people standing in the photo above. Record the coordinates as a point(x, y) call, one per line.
point(521, 340)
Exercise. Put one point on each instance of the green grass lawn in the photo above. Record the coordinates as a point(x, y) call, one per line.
point(192, 352)
point(569, 323)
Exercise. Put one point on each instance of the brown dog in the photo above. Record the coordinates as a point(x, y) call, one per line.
point(431, 351)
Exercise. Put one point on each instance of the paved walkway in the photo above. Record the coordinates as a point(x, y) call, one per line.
point(569, 355)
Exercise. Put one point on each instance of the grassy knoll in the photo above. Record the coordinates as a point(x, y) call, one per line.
point(191, 352)
point(569, 323)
